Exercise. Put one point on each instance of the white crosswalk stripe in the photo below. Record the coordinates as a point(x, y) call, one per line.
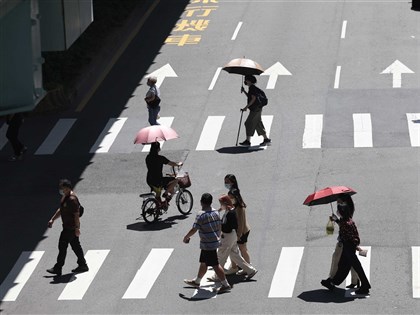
point(256, 139)
point(76, 289)
point(56, 136)
point(362, 130)
point(19, 275)
point(108, 135)
point(413, 120)
point(146, 276)
point(415, 263)
point(312, 133)
point(210, 133)
point(365, 261)
point(284, 278)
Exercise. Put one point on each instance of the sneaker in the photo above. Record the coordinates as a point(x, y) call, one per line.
point(241, 273)
point(246, 143)
point(54, 271)
point(223, 289)
point(80, 269)
point(362, 291)
point(231, 271)
point(266, 142)
point(253, 273)
point(191, 283)
point(328, 284)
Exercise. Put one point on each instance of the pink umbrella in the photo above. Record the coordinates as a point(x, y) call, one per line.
point(155, 133)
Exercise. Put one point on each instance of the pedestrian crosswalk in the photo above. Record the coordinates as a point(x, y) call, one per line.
point(283, 279)
point(313, 135)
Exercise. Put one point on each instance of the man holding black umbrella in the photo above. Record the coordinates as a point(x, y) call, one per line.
point(253, 122)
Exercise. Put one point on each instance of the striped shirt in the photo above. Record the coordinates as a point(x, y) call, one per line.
point(208, 224)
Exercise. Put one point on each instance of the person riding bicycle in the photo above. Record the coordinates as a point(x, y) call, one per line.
point(155, 178)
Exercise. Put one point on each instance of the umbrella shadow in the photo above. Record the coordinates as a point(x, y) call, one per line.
point(157, 226)
point(326, 296)
point(238, 150)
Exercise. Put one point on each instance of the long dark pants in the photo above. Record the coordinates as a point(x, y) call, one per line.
point(349, 259)
point(69, 237)
point(13, 133)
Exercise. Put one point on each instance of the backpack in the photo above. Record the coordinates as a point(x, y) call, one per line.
point(262, 99)
point(81, 210)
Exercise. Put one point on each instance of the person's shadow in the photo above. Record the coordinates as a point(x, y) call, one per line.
point(67, 278)
point(239, 149)
point(326, 296)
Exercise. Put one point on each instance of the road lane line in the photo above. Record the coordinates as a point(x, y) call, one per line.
point(256, 139)
point(415, 265)
point(343, 30)
point(108, 135)
point(337, 77)
point(19, 275)
point(413, 120)
point(365, 261)
point(284, 278)
point(210, 133)
point(76, 289)
point(312, 133)
point(56, 136)
point(362, 131)
point(165, 121)
point(148, 273)
point(3, 139)
point(213, 81)
point(235, 33)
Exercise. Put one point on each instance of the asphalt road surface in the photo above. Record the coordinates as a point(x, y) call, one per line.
point(342, 79)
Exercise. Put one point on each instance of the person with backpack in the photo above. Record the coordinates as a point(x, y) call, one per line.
point(256, 100)
point(69, 211)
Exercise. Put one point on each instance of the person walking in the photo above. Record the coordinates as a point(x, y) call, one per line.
point(69, 213)
point(228, 246)
point(350, 238)
point(253, 122)
point(15, 121)
point(208, 225)
point(231, 182)
point(153, 100)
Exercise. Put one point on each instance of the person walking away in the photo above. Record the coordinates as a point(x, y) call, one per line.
point(155, 178)
point(350, 237)
point(253, 122)
point(208, 225)
point(15, 121)
point(228, 246)
point(69, 213)
point(153, 100)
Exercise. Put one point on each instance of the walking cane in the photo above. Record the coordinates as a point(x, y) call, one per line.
point(239, 130)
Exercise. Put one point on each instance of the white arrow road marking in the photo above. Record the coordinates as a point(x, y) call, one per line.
point(19, 275)
point(365, 261)
point(273, 72)
point(362, 131)
point(149, 271)
point(415, 265)
point(284, 278)
point(413, 120)
point(396, 69)
point(162, 73)
point(313, 131)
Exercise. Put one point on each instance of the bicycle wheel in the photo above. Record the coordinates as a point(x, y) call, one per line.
point(150, 210)
point(184, 201)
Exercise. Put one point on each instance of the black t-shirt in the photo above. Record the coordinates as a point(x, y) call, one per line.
point(154, 165)
point(253, 90)
point(229, 221)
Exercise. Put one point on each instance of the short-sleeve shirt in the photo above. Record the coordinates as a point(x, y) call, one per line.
point(153, 90)
point(229, 221)
point(154, 165)
point(69, 210)
point(208, 224)
point(253, 90)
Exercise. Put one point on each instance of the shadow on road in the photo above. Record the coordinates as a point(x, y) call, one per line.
point(326, 296)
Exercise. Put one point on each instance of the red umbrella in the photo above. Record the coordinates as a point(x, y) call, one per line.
point(155, 133)
point(327, 195)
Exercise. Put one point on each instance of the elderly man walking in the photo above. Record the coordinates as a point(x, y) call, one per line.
point(208, 225)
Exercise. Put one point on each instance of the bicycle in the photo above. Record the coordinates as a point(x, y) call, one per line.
point(152, 207)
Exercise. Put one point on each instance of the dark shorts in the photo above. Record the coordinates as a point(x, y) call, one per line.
point(244, 238)
point(164, 182)
point(209, 257)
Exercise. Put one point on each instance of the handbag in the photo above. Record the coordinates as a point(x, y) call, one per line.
point(155, 102)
